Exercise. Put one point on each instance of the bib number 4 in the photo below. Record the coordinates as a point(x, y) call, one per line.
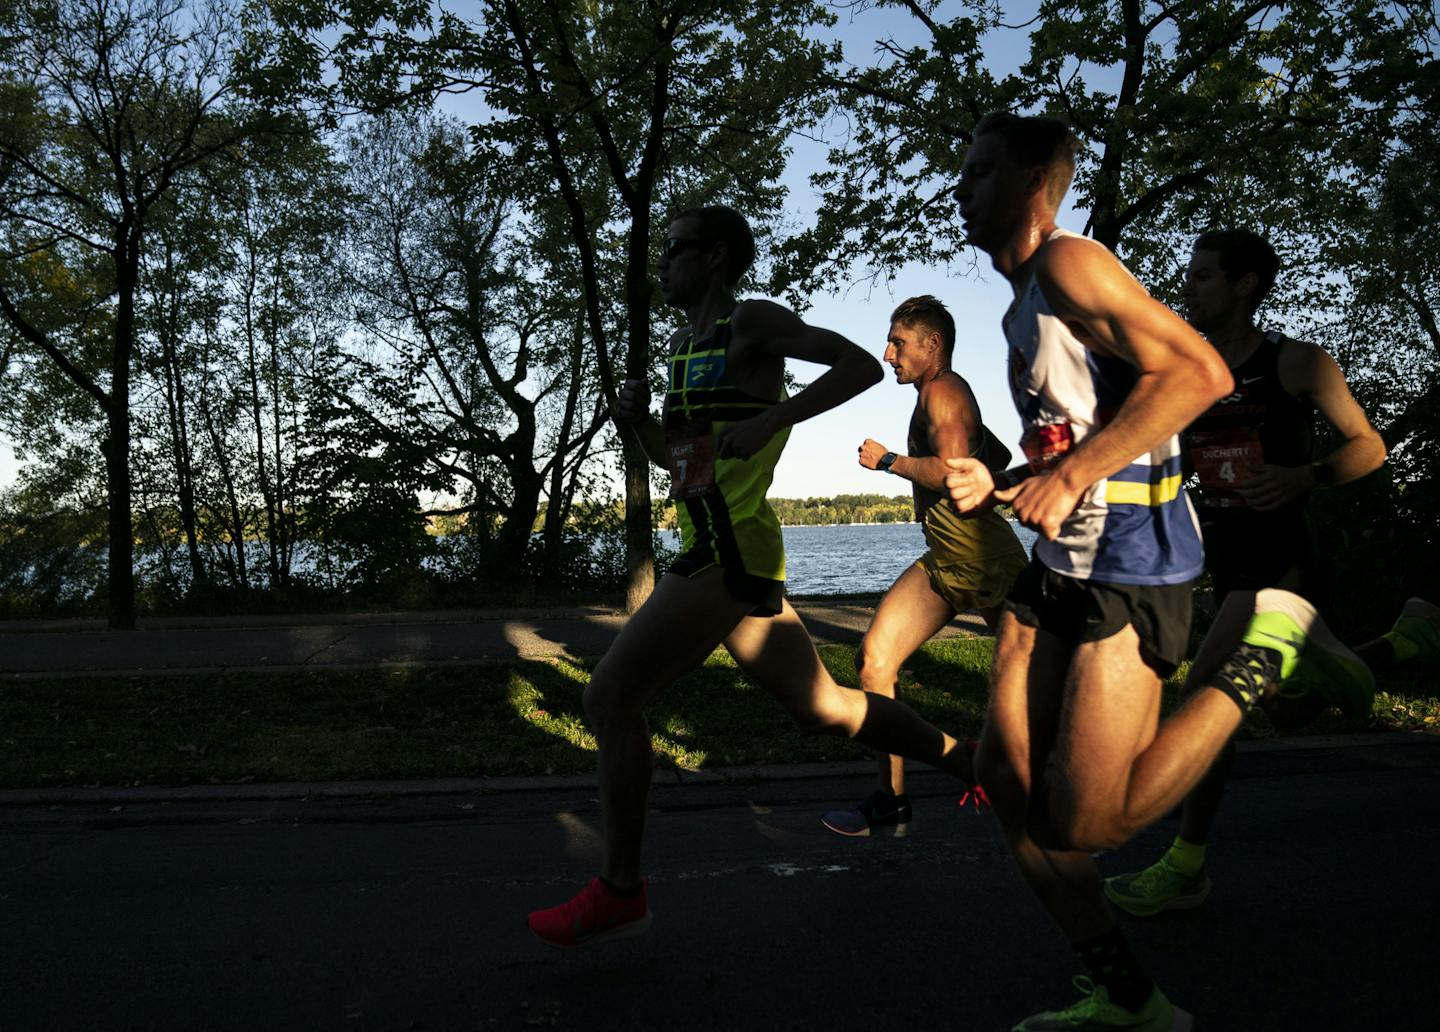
point(1222, 461)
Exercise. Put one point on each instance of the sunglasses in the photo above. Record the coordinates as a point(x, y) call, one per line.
point(672, 246)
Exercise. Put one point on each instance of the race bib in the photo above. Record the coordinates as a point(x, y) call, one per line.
point(691, 448)
point(1046, 445)
point(1222, 461)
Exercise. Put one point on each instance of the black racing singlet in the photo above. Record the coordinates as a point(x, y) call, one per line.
point(1259, 422)
point(983, 445)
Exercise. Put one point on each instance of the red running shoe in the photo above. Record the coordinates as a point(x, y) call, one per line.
point(974, 795)
point(594, 916)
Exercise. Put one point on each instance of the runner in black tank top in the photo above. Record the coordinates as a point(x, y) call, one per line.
point(971, 561)
point(1261, 422)
point(1252, 455)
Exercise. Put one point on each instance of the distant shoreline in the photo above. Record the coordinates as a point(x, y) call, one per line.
point(872, 523)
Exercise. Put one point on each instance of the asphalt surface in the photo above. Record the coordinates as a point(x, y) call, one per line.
point(402, 906)
point(78, 647)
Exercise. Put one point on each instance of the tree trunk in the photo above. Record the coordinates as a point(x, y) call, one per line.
point(121, 569)
point(639, 534)
point(258, 421)
point(180, 443)
point(514, 537)
point(554, 530)
point(235, 518)
point(117, 445)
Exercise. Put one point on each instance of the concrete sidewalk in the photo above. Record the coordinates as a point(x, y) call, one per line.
point(180, 645)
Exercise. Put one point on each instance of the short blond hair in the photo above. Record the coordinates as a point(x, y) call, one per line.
point(930, 312)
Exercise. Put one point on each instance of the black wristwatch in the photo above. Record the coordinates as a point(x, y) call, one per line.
point(886, 461)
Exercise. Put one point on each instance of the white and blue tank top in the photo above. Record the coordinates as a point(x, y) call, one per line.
point(1135, 526)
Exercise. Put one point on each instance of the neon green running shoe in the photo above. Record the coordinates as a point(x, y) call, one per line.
point(1095, 1013)
point(1416, 634)
point(1161, 886)
point(1310, 655)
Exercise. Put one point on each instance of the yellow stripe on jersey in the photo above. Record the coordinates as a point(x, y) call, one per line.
point(1127, 492)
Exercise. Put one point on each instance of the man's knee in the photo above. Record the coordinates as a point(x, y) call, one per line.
point(828, 709)
point(877, 666)
point(1060, 819)
point(1004, 784)
point(598, 701)
point(993, 767)
point(610, 699)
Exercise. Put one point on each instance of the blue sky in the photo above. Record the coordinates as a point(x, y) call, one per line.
point(821, 456)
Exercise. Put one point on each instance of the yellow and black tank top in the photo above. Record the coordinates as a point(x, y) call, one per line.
point(730, 525)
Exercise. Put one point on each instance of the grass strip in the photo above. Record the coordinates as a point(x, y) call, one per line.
point(500, 718)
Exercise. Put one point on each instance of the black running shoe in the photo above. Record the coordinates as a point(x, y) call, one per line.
point(880, 814)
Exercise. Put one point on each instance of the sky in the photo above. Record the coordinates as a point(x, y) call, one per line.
point(820, 459)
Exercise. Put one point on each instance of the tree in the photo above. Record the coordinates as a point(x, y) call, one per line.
point(608, 115)
point(113, 106)
point(235, 297)
point(1312, 123)
point(474, 347)
point(1192, 114)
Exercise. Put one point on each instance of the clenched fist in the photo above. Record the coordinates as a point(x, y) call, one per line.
point(632, 402)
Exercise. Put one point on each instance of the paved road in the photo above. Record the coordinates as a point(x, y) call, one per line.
point(82, 647)
point(405, 911)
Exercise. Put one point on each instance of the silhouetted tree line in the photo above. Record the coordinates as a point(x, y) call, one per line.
point(324, 300)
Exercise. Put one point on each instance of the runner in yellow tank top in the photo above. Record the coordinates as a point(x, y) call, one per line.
point(726, 419)
point(724, 520)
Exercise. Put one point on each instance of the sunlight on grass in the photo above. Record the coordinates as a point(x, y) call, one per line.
point(1406, 712)
point(484, 720)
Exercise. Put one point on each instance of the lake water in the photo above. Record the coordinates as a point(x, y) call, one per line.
point(852, 559)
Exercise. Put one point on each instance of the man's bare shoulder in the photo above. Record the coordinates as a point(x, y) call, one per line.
point(1073, 265)
point(946, 395)
point(756, 317)
point(1302, 365)
point(1292, 349)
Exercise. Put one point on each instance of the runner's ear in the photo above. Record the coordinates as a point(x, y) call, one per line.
point(1245, 287)
point(1037, 181)
point(720, 259)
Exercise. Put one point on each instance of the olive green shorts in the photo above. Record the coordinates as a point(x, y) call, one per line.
point(973, 585)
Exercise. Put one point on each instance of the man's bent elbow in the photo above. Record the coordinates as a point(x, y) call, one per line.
point(1381, 452)
point(867, 372)
point(1215, 379)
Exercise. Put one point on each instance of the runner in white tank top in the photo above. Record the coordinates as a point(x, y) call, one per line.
point(1074, 756)
point(1135, 526)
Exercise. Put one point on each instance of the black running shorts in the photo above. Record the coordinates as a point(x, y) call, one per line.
point(1089, 610)
point(768, 596)
point(1249, 551)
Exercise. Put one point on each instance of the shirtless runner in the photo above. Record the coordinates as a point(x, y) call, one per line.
point(971, 561)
